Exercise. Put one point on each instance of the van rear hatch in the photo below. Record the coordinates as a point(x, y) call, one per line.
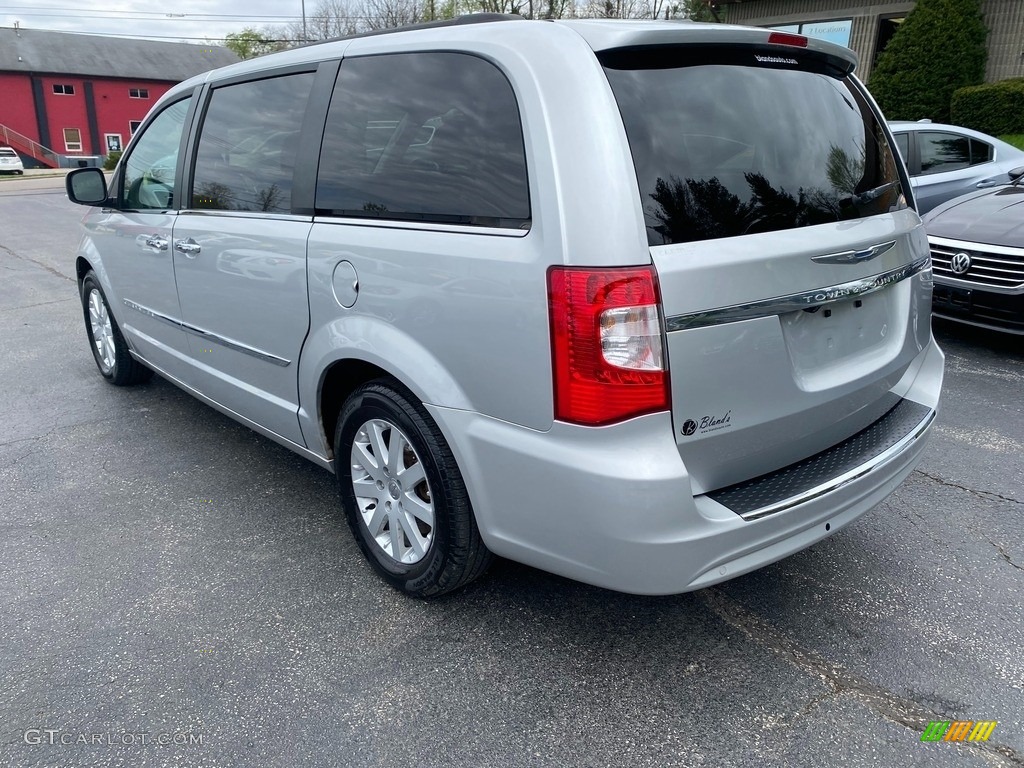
point(794, 277)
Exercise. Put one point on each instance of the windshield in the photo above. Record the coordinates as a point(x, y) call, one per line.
point(733, 142)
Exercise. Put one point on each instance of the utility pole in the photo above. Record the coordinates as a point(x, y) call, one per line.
point(305, 36)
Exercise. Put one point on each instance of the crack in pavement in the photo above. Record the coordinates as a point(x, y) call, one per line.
point(40, 304)
point(881, 701)
point(47, 267)
point(986, 495)
point(1006, 555)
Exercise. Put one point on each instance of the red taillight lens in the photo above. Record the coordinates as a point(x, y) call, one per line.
point(606, 344)
point(785, 38)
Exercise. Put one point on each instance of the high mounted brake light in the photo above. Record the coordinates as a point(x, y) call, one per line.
point(786, 38)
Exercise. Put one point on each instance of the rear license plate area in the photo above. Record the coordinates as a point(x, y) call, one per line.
point(820, 338)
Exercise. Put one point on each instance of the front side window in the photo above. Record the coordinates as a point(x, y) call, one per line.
point(248, 144)
point(736, 141)
point(72, 140)
point(941, 152)
point(149, 172)
point(432, 137)
point(903, 144)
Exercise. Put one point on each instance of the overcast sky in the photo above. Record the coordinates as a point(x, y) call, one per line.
point(180, 20)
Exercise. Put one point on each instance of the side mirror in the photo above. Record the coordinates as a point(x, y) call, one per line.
point(86, 186)
point(1016, 174)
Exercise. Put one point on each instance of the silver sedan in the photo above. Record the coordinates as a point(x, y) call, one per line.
point(946, 161)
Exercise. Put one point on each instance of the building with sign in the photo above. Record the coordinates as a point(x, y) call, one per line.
point(866, 26)
point(66, 95)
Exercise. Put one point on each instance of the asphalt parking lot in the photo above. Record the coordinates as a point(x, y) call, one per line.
point(179, 591)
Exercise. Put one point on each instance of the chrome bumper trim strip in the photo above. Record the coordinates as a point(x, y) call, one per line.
point(791, 303)
point(847, 477)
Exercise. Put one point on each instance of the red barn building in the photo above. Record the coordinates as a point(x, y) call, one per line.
point(64, 94)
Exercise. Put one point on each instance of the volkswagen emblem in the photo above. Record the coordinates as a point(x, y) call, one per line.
point(960, 263)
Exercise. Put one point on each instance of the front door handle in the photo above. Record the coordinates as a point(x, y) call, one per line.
point(157, 242)
point(188, 246)
point(985, 184)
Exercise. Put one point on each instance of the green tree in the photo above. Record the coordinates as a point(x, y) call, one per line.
point(250, 43)
point(697, 10)
point(939, 48)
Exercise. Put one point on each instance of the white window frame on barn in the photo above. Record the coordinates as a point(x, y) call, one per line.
point(73, 146)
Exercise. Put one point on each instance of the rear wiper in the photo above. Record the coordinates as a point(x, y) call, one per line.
point(869, 195)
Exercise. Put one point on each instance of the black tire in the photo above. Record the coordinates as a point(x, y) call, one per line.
point(456, 555)
point(125, 370)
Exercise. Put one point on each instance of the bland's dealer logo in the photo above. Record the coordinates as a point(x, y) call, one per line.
point(707, 424)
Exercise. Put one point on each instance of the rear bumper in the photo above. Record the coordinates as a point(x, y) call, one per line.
point(613, 506)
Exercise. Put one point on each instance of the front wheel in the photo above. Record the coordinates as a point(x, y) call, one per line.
point(403, 494)
point(109, 348)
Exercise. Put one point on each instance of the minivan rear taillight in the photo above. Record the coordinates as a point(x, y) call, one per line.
point(606, 341)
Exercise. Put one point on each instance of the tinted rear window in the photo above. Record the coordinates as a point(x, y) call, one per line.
point(727, 142)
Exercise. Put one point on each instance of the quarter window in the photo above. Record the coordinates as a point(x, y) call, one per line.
point(149, 175)
point(980, 152)
point(430, 137)
point(64, 90)
point(248, 144)
point(138, 93)
point(72, 140)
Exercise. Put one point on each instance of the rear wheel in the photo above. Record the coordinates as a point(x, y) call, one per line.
point(403, 494)
point(109, 348)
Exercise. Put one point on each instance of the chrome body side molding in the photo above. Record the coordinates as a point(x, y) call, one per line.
point(216, 338)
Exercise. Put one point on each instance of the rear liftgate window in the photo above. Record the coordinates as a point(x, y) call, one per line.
point(431, 137)
point(736, 141)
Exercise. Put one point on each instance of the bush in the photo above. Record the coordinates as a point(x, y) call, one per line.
point(995, 109)
point(939, 48)
point(111, 161)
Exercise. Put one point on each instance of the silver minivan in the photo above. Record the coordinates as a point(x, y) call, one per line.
point(645, 304)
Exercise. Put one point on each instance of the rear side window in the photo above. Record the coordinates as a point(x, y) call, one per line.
point(248, 144)
point(430, 137)
point(736, 141)
point(942, 152)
